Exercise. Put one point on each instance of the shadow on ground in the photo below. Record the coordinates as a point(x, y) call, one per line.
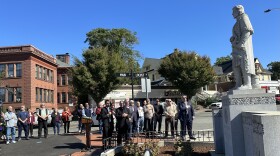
point(71, 146)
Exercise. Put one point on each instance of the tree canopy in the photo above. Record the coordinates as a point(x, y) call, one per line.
point(187, 71)
point(221, 60)
point(110, 51)
point(274, 67)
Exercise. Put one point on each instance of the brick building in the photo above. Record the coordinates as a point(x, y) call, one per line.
point(64, 89)
point(30, 77)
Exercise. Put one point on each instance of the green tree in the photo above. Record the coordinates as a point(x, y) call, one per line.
point(221, 60)
point(187, 71)
point(274, 67)
point(110, 51)
point(95, 75)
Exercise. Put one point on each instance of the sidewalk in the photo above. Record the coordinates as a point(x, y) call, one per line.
point(96, 143)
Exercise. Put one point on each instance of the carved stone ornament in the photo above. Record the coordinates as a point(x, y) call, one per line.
point(252, 100)
point(258, 128)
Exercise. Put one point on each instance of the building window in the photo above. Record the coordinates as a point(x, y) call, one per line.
point(37, 94)
point(37, 72)
point(2, 94)
point(18, 95)
point(10, 94)
point(51, 76)
point(70, 97)
point(69, 79)
point(2, 68)
point(41, 95)
point(10, 70)
point(48, 74)
point(45, 95)
point(18, 71)
point(51, 95)
point(40, 72)
point(45, 74)
point(63, 80)
point(58, 98)
point(63, 97)
point(58, 80)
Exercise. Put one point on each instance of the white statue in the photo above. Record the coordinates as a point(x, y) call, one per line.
point(242, 51)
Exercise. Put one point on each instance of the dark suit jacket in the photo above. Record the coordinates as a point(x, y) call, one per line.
point(107, 120)
point(158, 110)
point(185, 113)
point(122, 121)
point(134, 113)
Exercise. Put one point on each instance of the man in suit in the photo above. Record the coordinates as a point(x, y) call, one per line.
point(186, 116)
point(122, 115)
point(134, 117)
point(158, 115)
point(107, 120)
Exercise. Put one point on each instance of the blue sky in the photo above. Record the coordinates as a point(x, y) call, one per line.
point(60, 26)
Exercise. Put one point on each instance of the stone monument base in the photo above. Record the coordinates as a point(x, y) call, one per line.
point(261, 134)
point(236, 102)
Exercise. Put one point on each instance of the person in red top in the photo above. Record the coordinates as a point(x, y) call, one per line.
point(30, 121)
point(98, 116)
point(66, 118)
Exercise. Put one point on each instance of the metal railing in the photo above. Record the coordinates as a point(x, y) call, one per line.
point(153, 136)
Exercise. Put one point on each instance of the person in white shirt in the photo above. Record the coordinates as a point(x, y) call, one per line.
point(11, 122)
point(170, 112)
point(140, 122)
point(43, 121)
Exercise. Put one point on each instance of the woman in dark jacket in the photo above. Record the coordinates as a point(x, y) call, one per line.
point(56, 121)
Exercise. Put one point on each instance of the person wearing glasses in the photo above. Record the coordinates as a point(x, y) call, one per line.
point(170, 112)
point(186, 116)
point(43, 121)
point(23, 123)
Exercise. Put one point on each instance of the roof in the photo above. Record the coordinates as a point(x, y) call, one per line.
point(152, 62)
point(62, 64)
point(227, 67)
point(27, 49)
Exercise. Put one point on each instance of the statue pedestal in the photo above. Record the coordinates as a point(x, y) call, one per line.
point(236, 102)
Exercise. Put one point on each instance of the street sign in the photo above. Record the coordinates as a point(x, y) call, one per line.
point(146, 82)
point(140, 75)
point(136, 75)
point(123, 74)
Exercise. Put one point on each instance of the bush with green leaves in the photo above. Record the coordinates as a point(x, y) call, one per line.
point(135, 149)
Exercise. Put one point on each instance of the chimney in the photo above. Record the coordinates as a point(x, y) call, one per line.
point(64, 58)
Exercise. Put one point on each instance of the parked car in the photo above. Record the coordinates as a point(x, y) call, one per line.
point(277, 97)
point(216, 105)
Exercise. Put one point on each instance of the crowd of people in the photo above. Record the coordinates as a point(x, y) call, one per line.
point(25, 120)
point(130, 119)
point(127, 120)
